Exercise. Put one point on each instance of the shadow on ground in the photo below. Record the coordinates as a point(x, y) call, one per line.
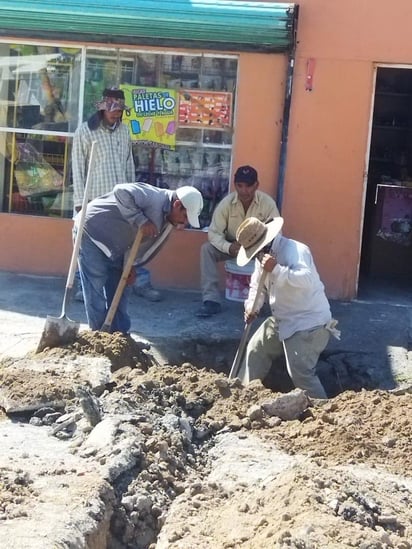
point(372, 352)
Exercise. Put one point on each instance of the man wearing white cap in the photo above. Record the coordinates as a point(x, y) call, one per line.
point(111, 225)
point(301, 322)
point(114, 164)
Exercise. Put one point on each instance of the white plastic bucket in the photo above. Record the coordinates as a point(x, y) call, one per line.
point(237, 280)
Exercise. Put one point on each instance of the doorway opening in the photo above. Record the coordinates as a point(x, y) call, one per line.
point(386, 257)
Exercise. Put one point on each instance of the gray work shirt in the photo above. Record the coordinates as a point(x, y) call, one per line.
point(113, 219)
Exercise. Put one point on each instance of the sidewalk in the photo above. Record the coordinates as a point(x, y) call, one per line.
point(373, 350)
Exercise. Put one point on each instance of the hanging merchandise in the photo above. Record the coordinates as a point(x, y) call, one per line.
point(34, 174)
point(396, 214)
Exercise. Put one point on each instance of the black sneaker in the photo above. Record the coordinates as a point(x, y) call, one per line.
point(209, 308)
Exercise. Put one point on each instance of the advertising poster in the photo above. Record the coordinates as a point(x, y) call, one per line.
point(206, 109)
point(152, 115)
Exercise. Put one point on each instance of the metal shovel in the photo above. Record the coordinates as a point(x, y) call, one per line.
point(245, 336)
point(61, 330)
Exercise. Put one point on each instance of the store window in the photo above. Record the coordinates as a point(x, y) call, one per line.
point(194, 145)
point(41, 96)
point(39, 103)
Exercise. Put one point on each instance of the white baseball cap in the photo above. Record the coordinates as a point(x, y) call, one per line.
point(193, 203)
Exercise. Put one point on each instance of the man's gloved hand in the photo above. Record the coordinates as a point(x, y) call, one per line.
point(131, 279)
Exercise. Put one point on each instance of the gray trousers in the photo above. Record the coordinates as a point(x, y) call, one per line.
point(209, 276)
point(301, 351)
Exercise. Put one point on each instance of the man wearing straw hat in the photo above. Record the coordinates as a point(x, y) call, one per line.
point(301, 322)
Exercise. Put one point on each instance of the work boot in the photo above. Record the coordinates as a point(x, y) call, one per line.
point(209, 308)
point(147, 292)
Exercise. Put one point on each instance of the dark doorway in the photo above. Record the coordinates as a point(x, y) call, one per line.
point(386, 260)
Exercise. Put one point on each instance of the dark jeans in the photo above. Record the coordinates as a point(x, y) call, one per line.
point(100, 277)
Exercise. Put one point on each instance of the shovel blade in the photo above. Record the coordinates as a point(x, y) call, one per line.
point(58, 331)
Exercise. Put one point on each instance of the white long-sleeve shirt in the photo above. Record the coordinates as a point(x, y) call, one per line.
point(296, 294)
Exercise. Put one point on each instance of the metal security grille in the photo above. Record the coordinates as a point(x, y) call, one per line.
point(202, 24)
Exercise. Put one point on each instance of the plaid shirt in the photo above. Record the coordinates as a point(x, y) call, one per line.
point(114, 160)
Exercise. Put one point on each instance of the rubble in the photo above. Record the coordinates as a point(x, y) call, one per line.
point(173, 456)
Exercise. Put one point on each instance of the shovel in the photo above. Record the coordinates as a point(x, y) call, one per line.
point(61, 330)
point(122, 282)
point(245, 336)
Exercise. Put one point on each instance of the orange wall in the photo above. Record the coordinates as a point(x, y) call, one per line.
point(328, 135)
point(325, 167)
point(327, 146)
point(35, 245)
point(42, 246)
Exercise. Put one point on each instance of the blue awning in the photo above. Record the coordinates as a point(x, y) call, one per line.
point(201, 24)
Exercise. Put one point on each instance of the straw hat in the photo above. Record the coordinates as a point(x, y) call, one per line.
point(253, 235)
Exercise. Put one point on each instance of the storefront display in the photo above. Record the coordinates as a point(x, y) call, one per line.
point(387, 237)
point(37, 167)
point(41, 98)
point(395, 206)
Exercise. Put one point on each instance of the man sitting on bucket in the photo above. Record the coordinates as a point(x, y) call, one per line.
point(301, 321)
point(246, 201)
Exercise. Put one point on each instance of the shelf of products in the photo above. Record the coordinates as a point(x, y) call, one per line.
point(391, 143)
point(200, 152)
point(205, 168)
point(387, 239)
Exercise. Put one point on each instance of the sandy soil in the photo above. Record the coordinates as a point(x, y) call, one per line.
point(351, 485)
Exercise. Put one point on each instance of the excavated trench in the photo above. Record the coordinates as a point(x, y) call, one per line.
point(339, 370)
point(176, 455)
point(148, 427)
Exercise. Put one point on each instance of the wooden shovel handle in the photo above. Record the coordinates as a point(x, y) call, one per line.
point(82, 217)
point(122, 282)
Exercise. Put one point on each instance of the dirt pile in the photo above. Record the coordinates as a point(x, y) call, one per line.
point(346, 482)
